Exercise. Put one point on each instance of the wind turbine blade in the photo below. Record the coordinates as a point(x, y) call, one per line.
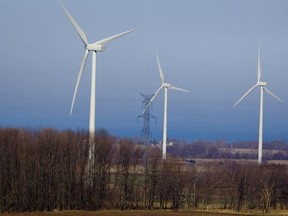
point(151, 100)
point(177, 89)
point(248, 92)
point(107, 40)
point(259, 66)
point(79, 79)
point(272, 94)
point(80, 32)
point(160, 69)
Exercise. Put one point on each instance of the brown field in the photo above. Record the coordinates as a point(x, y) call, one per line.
point(138, 213)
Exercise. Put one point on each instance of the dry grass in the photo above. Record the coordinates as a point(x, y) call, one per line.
point(139, 213)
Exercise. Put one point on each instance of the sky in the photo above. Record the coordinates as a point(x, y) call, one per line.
point(205, 46)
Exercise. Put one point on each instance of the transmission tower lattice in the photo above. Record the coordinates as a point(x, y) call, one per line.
point(145, 132)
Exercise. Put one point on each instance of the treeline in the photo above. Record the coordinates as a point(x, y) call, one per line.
point(43, 170)
point(273, 150)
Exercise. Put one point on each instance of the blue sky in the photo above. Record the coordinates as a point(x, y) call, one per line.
point(207, 47)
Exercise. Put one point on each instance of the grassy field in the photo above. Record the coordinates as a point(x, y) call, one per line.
point(137, 213)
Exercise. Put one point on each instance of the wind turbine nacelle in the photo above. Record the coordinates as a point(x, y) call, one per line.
point(166, 85)
point(95, 47)
point(262, 83)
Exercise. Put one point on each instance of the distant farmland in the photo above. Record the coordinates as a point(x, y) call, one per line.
point(234, 151)
point(274, 150)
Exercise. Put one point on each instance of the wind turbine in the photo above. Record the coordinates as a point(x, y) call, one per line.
point(166, 86)
point(98, 46)
point(263, 87)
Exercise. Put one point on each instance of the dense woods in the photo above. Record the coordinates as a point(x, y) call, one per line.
point(45, 170)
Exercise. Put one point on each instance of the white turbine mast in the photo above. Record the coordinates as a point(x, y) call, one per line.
point(98, 46)
point(263, 87)
point(166, 86)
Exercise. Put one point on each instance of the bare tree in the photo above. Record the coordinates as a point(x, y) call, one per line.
point(103, 162)
point(152, 161)
point(128, 158)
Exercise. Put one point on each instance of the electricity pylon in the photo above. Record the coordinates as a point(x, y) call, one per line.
point(145, 132)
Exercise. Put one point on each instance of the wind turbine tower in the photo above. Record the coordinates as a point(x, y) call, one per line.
point(98, 46)
point(263, 87)
point(145, 132)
